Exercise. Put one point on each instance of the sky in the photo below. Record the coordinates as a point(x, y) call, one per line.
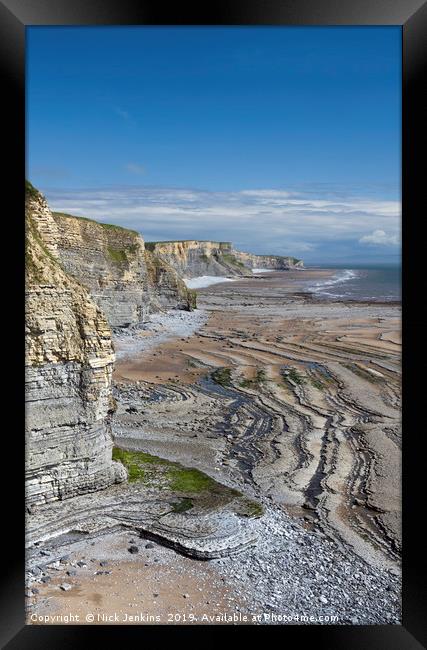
point(283, 140)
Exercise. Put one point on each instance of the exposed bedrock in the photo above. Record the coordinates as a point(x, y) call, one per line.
point(111, 262)
point(194, 258)
point(69, 362)
point(303, 409)
point(69, 402)
point(273, 262)
point(167, 287)
point(202, 526)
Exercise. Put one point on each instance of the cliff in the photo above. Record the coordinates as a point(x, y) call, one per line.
point(170, 291)
point(111, 262)
point(69, 361)
point(83, 277)
point(278, 262)
point(192, 258)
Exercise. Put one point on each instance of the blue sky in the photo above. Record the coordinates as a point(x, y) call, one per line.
point(284, 140)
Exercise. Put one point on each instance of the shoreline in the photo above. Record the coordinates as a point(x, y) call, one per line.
point(266, 438)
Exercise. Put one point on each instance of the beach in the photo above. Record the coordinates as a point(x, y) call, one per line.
point(293, 400)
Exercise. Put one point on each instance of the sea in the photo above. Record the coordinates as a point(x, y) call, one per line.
point(380, 283)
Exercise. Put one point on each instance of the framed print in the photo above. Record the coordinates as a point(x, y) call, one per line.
point(222, 320)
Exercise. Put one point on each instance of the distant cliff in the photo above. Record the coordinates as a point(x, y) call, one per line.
point(69, 362)
point(192, 258)
point(124, 280)
point(82, 278)
point(278, 262)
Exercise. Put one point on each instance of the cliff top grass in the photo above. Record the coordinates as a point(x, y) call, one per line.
point(31, 191)
point(189, 486)
point(150, 245)
point(110, 226)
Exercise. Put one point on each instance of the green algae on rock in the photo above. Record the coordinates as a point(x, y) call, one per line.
point(222, 376)
point(197, 489)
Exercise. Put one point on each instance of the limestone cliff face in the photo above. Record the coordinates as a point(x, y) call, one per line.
point(111, 262)
point(69, 362)
point(278, 262)
point(167, 286)
point(192, 258)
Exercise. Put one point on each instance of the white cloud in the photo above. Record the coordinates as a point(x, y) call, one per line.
point(266, 193)
point(260, 221)
point(380, 237)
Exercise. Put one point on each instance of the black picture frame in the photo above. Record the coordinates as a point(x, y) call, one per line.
point(15, 16)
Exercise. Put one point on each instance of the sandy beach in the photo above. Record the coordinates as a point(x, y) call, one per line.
point(213, 317)
point(294, 401)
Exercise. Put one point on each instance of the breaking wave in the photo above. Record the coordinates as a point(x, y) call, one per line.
point(322, 286)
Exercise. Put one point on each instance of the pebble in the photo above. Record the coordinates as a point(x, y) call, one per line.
point(309, 562)
point(65, 586)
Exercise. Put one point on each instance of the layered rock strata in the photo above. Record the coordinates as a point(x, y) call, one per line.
point(111, 262)
point(302, 404)
point(192, 258)
point(274, 262)
point(69, 363)
point(209, 524)
point(167, 288)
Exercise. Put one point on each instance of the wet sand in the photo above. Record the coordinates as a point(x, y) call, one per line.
point(307, 420)
point(154, 586)
point(339, 461)
point(174, 360)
